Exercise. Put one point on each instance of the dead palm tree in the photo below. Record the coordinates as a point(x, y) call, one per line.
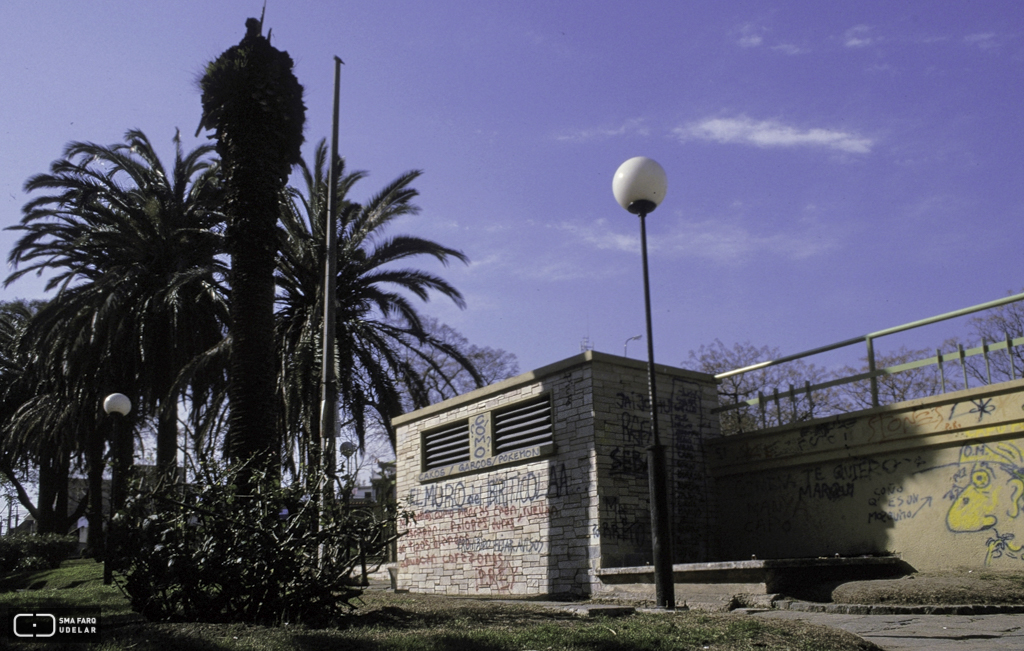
point(253, 102)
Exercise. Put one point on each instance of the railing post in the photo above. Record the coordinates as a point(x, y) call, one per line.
point(760, 406)
point(872, 369)
point(810, 399)
point(1009, 353)
point(988, 367)
point(942, 371)
point(792, 402)
point(778, 409)
point(963, 362)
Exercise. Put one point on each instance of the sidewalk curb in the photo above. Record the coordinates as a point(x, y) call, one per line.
point(880, 609)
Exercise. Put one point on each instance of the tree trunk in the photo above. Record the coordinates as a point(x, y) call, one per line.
point(94, 470)
point(167, 440)
point(167, 365)
point(253, 101)
point(51, 510)
point(60, 502)
point(252, 428)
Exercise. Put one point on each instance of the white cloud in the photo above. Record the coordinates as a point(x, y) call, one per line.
point(769, 133)
point(600, 236)
point(633, 126)
point(928, 40)
point(750, 35)
point(984, 41)
point(858, 36)
point(788, 48)
point(724, 242)
point(721, 241)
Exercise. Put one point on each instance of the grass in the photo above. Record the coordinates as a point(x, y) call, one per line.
point(407, 622)
point(75, 583)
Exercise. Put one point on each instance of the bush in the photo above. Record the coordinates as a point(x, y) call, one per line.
point(204, 553)
point(23, 552)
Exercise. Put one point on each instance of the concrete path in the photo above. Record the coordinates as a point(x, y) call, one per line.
point(907, 632)
point(919, 632)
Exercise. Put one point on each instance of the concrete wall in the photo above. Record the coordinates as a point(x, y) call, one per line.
point(939, 481)
point(543, 520)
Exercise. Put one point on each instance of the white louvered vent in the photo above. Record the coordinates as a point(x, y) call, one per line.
point(446, 446)
point(523, 425)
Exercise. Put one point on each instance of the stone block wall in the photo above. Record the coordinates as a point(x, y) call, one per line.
point(513, 527)
point(542, 519)
point(622, 423)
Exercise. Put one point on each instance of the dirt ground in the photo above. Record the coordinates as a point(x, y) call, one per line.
point(966, 587)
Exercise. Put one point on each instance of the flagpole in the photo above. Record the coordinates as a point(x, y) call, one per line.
point(329, 377)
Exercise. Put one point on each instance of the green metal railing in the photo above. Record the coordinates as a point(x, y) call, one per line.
point(873, 373)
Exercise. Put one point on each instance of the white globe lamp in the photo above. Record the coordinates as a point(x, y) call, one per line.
point(639, 185)
point(117, 403)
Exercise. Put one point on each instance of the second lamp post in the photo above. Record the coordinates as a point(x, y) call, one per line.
point(639, 187)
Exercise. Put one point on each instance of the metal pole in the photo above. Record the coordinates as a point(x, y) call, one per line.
point(661, 533)
point(329, 378)
point(121, 452)
point(625, 346)
point(871, 369)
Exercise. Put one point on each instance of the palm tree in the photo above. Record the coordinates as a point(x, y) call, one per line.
point(382, 344)
point(33, 429)
point(253, 102)
point(134, 252)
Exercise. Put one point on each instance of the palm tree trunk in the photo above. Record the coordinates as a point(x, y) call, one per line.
point(167, 441)
point(166, 362)
point(254, 102)
point(94, 469)
point(60, 502)
point(252, 428)
point(52, 506)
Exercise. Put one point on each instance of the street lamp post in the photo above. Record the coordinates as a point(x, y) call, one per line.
point(348, 448)
point(625, 346)
point(639, 186)
point(120, 452)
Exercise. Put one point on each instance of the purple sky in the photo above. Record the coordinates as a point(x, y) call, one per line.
point(834, 168)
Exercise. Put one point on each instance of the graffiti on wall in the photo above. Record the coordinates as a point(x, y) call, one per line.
point(624, 526)
point(688, 475)
point(987, 495)
point(776, 502)
point(629, 459)
point(986, 498)
point(682, 410)
point(620, 523)
point(968, 419)
point(485, 524)
point(934, 419)
point(976, 494)
point(891, 504)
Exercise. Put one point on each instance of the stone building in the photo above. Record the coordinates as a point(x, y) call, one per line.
point(538, 484)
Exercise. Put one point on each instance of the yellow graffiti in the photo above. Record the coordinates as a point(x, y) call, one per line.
point(1011, 428)
point(993, 497)
point(996, 547)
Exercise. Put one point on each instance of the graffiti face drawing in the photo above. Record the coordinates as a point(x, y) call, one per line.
point(993, 497)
